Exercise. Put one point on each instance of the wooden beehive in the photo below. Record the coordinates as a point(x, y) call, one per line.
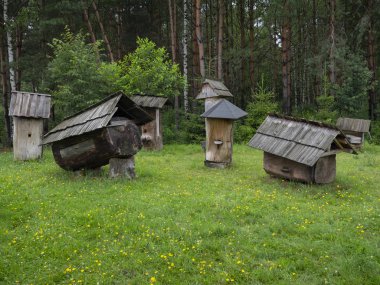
point(94, 136)
point(152, 132)
point(219, 132)
point(300, 150)
point(29, 110)
point(354, 129)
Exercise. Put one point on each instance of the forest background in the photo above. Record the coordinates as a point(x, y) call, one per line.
point(316, 59)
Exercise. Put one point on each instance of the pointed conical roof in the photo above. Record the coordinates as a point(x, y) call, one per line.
point(224, 110)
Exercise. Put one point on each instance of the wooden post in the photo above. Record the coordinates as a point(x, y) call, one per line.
point(122, 167)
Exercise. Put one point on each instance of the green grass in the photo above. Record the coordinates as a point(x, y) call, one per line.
point(182, 223)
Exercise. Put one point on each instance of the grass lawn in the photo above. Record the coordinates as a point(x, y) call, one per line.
point(182, 223)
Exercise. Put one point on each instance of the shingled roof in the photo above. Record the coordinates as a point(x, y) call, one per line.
point(217, 87)
point(224, 110)
point(299, 140)
point(149, 101)
point(98, 116)
point(30, 105)
point(354, 125)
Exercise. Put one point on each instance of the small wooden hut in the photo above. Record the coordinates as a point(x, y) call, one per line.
point(219, 132)
point(29, 110)
point(298, 149)
point(106, 132)
point(354, 129)
point(212, 91)
point(151, 133)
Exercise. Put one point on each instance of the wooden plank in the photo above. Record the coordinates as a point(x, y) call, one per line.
point(219, 130)
point(325, 170)
point(27, 138)
point(288, 169)
point(331, 152)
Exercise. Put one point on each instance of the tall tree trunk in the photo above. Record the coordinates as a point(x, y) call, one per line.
point(196, 61)
point(251, 44)
point(4, 83)
point(90, 29)
point(371, 64)
point(88, 23)
point(173, 40)
point(285, 47)
point(221, 12)
point(10, 49)
point(242, 47)
point(184, 42)
point(172, 32)
point(316, 81)
point(105, 38)
point(332, 71)
point(18, 56)
point(119, 26)
point(198, 31)
point(227, 44)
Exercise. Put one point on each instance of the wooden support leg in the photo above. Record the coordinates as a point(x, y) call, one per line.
point(122, 167)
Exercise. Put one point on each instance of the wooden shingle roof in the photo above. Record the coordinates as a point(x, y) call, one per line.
point(355, 125)
point(224, 110)
point(30, 105)
point(98, 116)
point(299, 140)
point(149, 101)
point(218, 88)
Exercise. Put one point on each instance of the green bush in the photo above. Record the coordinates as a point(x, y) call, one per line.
point(263, 103)
point(191, 128)
point(375, 132)
point(149, 70)
point(243, 133)
point(76, 78)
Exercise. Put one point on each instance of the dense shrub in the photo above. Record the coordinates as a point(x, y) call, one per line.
point(263, 103)
point(375, 132)
point(191, 128)
point(149, 70)
point(76, 78)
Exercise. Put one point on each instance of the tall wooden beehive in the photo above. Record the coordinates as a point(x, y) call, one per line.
point(219, 132)
point(29, 110)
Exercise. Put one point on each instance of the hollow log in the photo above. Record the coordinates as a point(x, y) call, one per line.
point(91, 150)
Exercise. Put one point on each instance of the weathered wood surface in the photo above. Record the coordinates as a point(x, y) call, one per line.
point(27, 138)
point(151, 133)
point(31, 105)
point(122, 167)
point(213, 88)
point(219, 141)
point(91, 150)
point(297, 139)
point(354, 125)
point(98, 116)
point(324, 171)
point(209, 102)
point(288, 169)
